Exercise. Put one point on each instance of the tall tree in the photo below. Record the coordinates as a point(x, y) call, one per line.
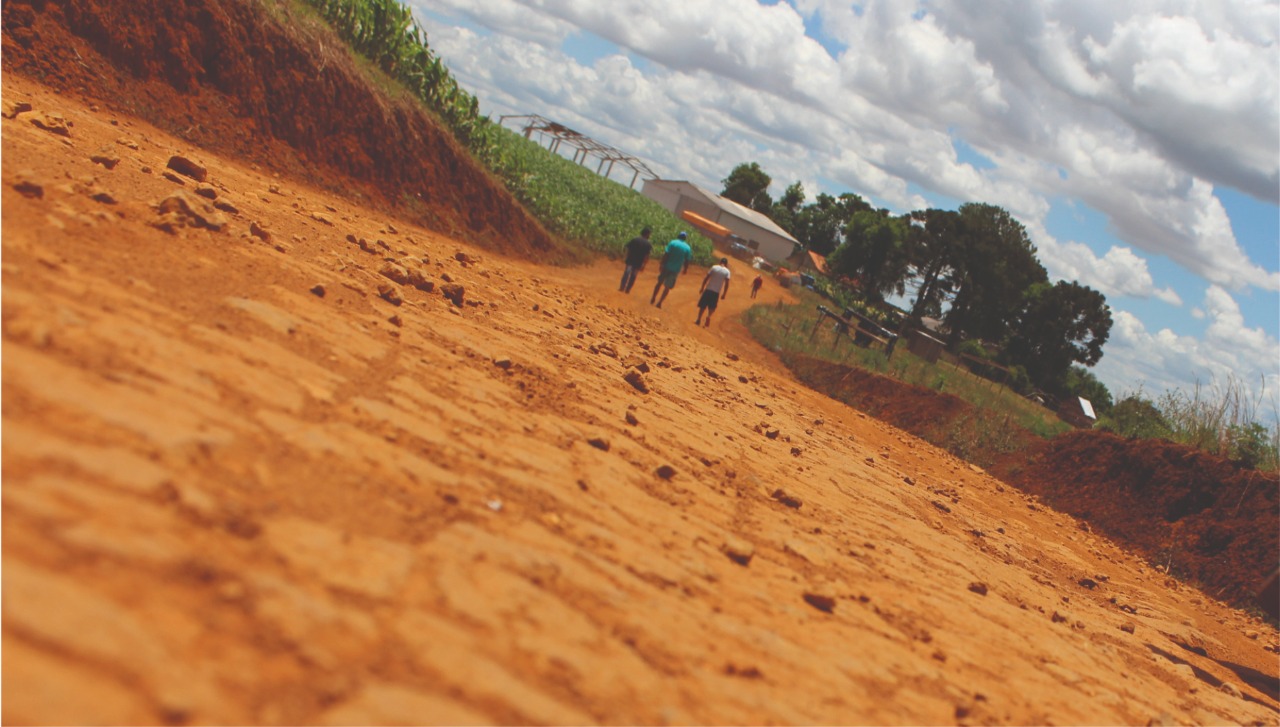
point(793, 197)
point(785, 209)
point(874, 253)
point(748, 185)
point(1058, 325)
point(995, 263)
point(932, 245)
point(820, 226)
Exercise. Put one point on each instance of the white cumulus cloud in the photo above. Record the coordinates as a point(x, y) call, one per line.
point(1137, 358)
point(1119, 272)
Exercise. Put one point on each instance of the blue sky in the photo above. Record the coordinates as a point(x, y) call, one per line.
point(1138, 143)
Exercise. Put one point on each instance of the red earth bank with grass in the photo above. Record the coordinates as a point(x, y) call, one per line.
point(299, 107)
point(1198, 516)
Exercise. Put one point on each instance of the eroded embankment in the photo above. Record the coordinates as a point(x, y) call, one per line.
point(252, 80)
point(1195, 515)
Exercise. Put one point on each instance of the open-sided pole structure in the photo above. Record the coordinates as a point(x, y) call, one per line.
point(583, 146)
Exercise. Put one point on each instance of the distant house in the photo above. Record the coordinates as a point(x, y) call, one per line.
point(758, 232)
point(1077, 412)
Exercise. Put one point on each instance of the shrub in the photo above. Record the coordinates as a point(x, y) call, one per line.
point(1136, 417)
point(1019, 380)
point(1251, 445)
point(974, 348)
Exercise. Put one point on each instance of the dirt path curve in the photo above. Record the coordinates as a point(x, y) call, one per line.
point(243, 485)
point(681, 307)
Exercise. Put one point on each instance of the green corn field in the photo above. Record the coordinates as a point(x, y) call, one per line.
point(385, 32)
point(581, 206)
point(570, 200)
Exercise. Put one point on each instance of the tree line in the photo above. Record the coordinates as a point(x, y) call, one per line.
point(1043, 328)
point(973, 268)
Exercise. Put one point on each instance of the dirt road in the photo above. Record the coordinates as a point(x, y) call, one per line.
point(241, 486)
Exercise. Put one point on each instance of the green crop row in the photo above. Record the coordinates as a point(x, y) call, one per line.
point(579, 205)
point(385, 32)
point(570, 200)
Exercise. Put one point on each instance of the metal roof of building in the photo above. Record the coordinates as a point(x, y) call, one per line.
point(733, 208)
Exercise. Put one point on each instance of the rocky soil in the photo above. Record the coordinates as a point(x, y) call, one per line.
point(277, 453)
point(1200, 517)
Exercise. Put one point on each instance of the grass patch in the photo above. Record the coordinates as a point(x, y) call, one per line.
point(581, 206)
point(790, 330)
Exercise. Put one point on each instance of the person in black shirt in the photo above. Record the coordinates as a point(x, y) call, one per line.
point(637, 254)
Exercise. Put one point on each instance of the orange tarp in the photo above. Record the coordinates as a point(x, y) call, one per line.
point(702, 222)
point(819, 262)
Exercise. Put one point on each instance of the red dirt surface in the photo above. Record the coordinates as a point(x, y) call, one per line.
point(243, 485)
point(224, 75)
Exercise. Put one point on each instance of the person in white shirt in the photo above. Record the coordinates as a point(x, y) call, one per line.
point(714, 288)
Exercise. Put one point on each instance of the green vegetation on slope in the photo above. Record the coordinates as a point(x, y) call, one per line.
point(789, 330)
point(568, 199)
point(385, 32)
point(580, 205)
point(1221, 420)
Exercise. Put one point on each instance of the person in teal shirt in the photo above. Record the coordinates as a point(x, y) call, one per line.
point(674, 261)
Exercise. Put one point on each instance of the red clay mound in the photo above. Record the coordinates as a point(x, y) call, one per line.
point(1200, 516)
point(225, 75)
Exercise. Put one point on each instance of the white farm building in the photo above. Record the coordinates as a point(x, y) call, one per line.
point(757, 231)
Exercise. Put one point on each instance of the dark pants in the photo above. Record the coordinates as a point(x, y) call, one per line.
point(628, 278)
point(709, 299)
